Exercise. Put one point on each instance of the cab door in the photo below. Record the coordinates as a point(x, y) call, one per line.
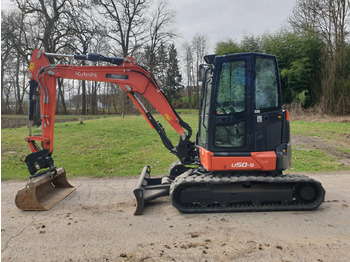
point(204, 110)
point(231, 124)
point(267, 104)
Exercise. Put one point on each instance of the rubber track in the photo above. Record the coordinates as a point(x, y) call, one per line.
point(191, 178)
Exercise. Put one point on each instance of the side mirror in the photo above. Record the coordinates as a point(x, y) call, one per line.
point(178, 84)
point(201, 73)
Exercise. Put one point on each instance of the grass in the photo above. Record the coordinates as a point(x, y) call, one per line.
point(112, 146)
point(314, 159)
point(117, 146)
point(327, 130)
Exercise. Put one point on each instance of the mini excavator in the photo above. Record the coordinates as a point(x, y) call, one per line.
point(236, 162)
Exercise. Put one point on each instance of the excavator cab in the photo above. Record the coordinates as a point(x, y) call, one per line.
point(241, 112)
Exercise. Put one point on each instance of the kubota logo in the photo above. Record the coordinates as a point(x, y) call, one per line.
point(84, 74)
point(242, 165)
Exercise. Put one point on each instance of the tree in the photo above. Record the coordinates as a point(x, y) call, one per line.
point(87, 36)
point(199, 47)
point(126, 23)
point(160, 34)
point(173, 75)
point(14, 50)
point(328, 19)
point(251, 43)
point(300, 62)
point(228, 46)
point(54, 25)
point(7, 26)
point(51, 16)
point(189, 68)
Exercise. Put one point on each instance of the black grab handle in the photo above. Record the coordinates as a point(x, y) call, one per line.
point(98, 57)
point(32, 89)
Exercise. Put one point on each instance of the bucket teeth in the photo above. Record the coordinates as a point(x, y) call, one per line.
point(44, 192)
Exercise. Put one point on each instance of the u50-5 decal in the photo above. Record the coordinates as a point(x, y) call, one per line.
point(242, 165)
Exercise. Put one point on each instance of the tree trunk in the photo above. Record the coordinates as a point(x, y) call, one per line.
point(19, 110)
point(61, 94)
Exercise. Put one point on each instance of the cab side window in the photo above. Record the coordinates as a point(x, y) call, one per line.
point(266, 86)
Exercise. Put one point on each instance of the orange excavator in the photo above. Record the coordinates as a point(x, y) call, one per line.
point(236, 162)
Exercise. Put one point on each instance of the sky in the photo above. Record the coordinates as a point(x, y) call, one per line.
point(222, 19)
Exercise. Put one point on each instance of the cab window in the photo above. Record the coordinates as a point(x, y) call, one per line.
point(231, 90)
point(266, 86)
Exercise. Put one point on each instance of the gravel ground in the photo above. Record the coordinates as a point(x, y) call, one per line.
point(96, 223)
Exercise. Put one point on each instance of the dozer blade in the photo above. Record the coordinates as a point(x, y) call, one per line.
point(148, 189)
point(44, 192)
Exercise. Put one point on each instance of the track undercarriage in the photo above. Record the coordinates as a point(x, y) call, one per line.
point(196, 191)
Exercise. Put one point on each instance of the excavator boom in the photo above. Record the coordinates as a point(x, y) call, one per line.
point(131, 78)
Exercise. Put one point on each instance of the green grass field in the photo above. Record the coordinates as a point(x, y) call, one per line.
point(116, 146)
point(332, 137)
point(112, 146)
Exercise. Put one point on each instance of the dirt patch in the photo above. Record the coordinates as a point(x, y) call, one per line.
point(15, 122)
point(319, 118)
point(330, 147)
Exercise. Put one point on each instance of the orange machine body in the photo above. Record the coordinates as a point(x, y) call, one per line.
point(262, 161)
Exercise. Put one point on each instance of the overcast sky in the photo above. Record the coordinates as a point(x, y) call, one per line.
point(222, 19)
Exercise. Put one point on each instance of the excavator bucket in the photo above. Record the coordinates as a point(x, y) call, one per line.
point(44, 192)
